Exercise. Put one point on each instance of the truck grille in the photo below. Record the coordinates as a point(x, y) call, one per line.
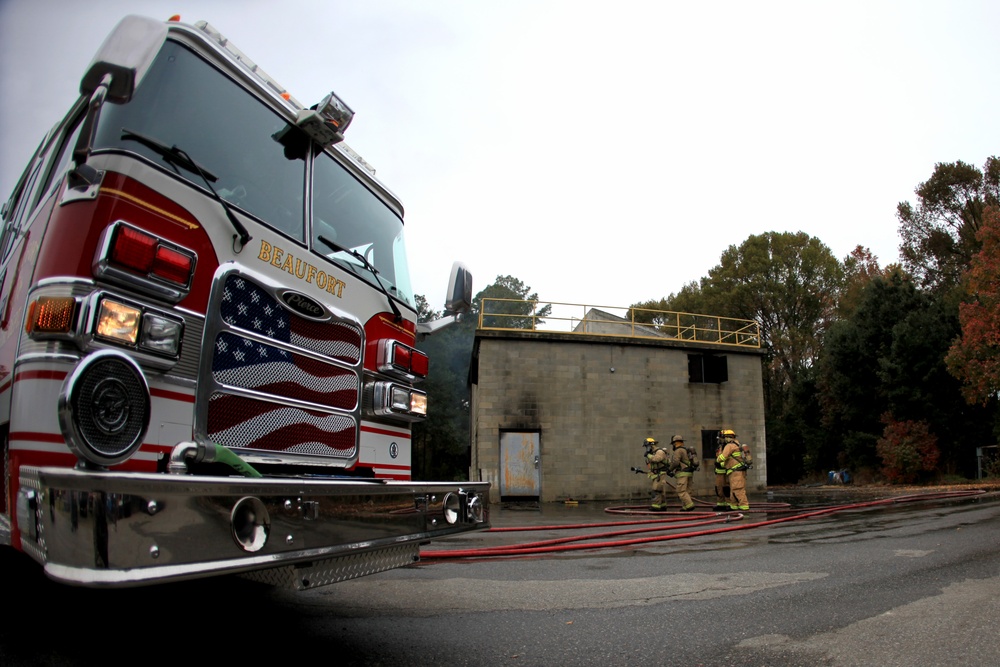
point(278, 382)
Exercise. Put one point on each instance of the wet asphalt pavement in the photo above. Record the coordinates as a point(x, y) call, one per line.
point(909, 583)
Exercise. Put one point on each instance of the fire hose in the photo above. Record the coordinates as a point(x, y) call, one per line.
point(685, 523)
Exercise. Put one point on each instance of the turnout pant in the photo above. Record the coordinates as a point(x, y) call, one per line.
point(660, 490)
point(738, 489)
point(721, 489)
point(682, 483)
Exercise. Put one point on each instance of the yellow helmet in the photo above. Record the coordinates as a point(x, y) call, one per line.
point(728, 433)
point(650, 442)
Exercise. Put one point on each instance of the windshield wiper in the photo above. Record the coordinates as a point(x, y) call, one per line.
point(171, 154)
point(364, 262)
point(179, 158)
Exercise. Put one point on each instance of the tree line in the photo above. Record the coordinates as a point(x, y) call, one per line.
point(892, 372)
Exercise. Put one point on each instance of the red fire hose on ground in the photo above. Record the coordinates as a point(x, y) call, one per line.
point(686, 525)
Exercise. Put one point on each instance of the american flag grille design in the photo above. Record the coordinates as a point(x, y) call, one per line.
point(282, 358)
point(237, 421)
point(248, 306)
point(250, 364)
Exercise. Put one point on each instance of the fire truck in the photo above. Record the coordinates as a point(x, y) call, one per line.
point(208, 358)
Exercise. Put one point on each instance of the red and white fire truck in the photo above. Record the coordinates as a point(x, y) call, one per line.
point(207, 334)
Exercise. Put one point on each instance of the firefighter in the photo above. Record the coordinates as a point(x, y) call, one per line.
point(732, 459)
point(658, 461)
point(721, 479)
point(680, 466)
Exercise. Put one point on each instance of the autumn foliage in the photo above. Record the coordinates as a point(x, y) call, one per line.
point(974, 358)
point(907, 449)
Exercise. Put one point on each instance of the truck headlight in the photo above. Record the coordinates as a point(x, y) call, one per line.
point(392, 399)
point(136, 326)
point(161, 334)
point(118, 321)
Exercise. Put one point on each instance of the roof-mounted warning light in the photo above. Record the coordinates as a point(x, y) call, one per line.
point(250, 66)
point(326, 122)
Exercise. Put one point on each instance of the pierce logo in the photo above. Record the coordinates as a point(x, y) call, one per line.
point(305, 306)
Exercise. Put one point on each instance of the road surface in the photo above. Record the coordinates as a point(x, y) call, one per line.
point(913, 583)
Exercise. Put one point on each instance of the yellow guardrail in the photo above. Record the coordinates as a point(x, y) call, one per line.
point(576, 318)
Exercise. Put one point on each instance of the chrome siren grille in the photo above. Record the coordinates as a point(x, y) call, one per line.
point(280, 382)
point(111, 401)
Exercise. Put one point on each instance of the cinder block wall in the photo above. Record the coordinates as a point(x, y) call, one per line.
point(594, 400)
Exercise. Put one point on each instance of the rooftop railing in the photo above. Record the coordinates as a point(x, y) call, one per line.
point(575, 318)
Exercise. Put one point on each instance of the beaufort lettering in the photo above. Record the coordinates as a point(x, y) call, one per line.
point(300, 269)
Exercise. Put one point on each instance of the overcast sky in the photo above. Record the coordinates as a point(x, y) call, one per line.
point(602, 153)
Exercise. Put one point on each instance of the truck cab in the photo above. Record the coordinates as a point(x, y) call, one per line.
point(208, 355)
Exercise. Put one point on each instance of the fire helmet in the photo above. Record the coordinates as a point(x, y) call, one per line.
point(728, 433)
point(676, 438)
point(650, 442)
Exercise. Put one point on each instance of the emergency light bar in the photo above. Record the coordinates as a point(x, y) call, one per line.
point(327, 123)
point(249, 65)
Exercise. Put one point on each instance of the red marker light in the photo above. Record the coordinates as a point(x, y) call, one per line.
point(401, 357)
point(172, 265)
point(419, 363)
point(149, 256)
point(134, 249)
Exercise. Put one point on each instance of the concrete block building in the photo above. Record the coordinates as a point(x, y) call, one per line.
point(561, 415)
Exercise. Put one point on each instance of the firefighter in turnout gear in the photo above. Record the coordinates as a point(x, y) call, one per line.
point(734, 458)
point(658, 461)
point(721, 479)
point(680, 466)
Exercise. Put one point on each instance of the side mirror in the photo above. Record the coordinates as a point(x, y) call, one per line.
point(113, 76)
point(457, 303)
point(126, 55)
point(459, 297)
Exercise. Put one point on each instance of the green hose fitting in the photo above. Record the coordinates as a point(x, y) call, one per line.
point(228, 457)
point(207, 452)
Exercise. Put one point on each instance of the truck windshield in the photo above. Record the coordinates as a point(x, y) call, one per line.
point(257, 160)
point(338, 203)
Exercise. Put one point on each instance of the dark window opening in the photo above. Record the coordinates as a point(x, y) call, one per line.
point(707, 368)
point(709, 440)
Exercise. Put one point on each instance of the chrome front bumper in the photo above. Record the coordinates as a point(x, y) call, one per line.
point(108, 529)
